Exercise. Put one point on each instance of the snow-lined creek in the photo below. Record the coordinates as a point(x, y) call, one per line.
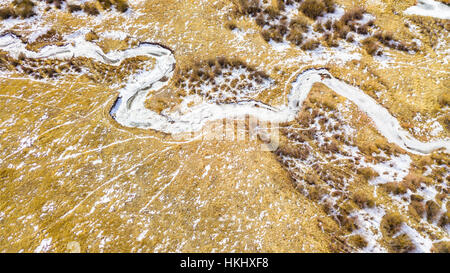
point(129, 109)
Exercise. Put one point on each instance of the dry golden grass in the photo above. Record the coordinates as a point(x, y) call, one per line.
point(207, 41)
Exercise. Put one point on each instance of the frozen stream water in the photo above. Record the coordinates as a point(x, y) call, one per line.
point(430, 8)
point(129, 109)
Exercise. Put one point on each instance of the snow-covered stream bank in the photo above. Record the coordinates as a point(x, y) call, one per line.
point(129, 110)
point(430, 8)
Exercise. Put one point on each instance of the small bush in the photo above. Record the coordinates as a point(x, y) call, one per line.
point(445, 219)
point(329, 4)
point(74, 8)
point(310, 44)
point(363, 200)
point(6, 13)
point(358, 241)
point(260, 21)
point(300, 23)
point(341, 29)
point(364, 29)
point(353, 14)
point(295, 37)
point(280, 5)
point(91, 36)
point(432, 210)
point(272, 34)
point(395, 188)
point(249, 7)
point(23, 8)
point(294, 152)
point(313, 8)
point(441, 247)
point(417, 208)
point(106, 4)
point(371, 46)
point(384, 36)
point(331, 40)
point(413, 180)
point(121, 5)
point(391, 223)
point(90, 8)
point(271, 12)
point(402, 244)
point(368, 173)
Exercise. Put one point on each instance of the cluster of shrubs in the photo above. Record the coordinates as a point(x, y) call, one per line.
point(19, 9)
point(278, 27)
point(92, 8)
point(51, 69)
point(25, 8)
point(205, 72)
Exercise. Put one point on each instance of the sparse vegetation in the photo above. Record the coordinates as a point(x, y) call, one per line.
point(402, 244)
point(391, 223)
point(310, 44)
point(371, 46)
point(368, 173)
point(91, 8)
point(363, 200)
point(25, 8)
point(19, 9)
point(313, 8)
point(394, 188)
point(358, 241)
point(441, 247)
point(433, 210)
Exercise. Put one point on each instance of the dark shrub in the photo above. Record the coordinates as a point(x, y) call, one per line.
point(313, 8)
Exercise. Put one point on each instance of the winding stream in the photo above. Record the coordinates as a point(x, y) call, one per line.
point(129, 109)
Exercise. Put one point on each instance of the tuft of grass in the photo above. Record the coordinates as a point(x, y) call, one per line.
point(413, 180)
point(391, 223)
point(231, 25)
point(121, 5)
point(294, 152)
point(313, 8)
point(271, 12)
point(368, 173)
point(371, 46)
point(417, 208)
point(358, 241)
point(24, 8)
point(432, 209)
point(331, 40)
point(330, 6)
point(6, 13)
point(441, 247)
point(310, 44)
point(445, 219)
point(394, 188)
point(272, 34)
point(74, 7)
point(91, 36)
point(353, 14)
point(402, 244)
point(90, 8)
point(20, 8)
point(363, 200)
point(249, 7)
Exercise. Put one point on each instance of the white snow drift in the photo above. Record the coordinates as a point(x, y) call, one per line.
point(430, 8)
point(129, 109)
